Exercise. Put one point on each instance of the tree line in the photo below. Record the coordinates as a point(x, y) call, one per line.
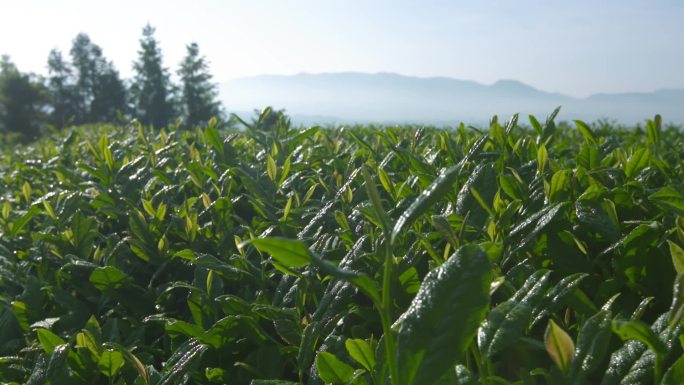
point(85, 87)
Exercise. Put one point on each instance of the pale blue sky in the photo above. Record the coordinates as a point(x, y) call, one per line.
point(572, 47)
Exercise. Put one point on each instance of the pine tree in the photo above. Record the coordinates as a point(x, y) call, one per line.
point(100, 93)
point(198, 94)
point(151, 89)
point(63, 97)
point(21, 101)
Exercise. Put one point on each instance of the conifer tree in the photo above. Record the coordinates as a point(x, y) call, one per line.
point(198, 100)
point(151, 90)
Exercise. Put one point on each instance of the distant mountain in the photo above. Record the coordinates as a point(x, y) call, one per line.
point(349, 97)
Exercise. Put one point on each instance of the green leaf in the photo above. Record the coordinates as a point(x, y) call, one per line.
point(589, 156)
point(434, 192)
point(212, 135)
point(183, 360)
point(21, 222)
point(592, 345)
point(332, 370)
point(285, 170)
point(443, 317)
point(135, 361)
point(110, 362)
point(289, 252)
point(560, 186)
point(677, 254)
point(637, 162)
point(633, 363)
point(26, 191)
point(361, 352)
point(271, 168)
point(477, 194)
point(585, 131)
point(376, 202)
point(175, 328)
point(559, 345)
point(507, 322)
point(511, 187)
point(53, 369)
point(536, 125)
point(637, 330)
point(653, 129)
point(558, 296)
point(669, 198)
point(48, 340)
point(675, 374)
point(542, 158)
point(540, 219)
point(361, 281)
point(677, 308)
point(108, 278)
point(86, 340)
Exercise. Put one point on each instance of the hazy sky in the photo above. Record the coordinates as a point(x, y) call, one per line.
point(573, 47)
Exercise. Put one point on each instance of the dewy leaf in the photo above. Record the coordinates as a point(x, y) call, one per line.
point(361, 352)
point(592, 345)
point(633, 363)
point(558, 296)
point(52, 370)
point(542, 218)
point(182, 361)
point(107, 277)
point(289, 252)
point(435, 191)
point(559, 345)
point(332, 370)
point(477, 194)
point(637, 330)
point(507, 322)
point(443, 317)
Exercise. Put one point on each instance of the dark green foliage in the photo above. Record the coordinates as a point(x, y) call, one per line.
point(22, 99)
point(364, 255)
point(100, 93)
point(444, 316)
point(63, 93)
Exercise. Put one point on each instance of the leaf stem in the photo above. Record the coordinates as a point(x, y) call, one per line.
point(386, 312)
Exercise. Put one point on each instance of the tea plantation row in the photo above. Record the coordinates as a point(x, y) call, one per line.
point(528, 253)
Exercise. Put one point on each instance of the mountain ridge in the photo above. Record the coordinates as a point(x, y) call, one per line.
point(385, 96)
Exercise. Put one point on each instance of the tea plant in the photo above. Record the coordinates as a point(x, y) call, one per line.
point(548, 254)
